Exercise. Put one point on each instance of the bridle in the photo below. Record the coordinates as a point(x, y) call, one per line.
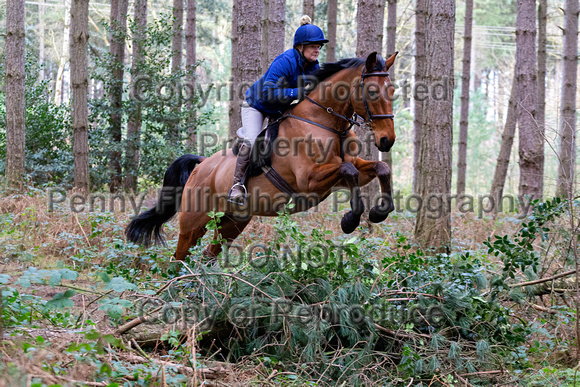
point(370, 115)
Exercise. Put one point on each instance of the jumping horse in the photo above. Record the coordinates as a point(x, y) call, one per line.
point(322, 160)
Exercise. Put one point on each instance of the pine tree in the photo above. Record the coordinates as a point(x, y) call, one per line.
point(565, 183)
point(15, 103)
point(433, 225)
point(370, 18)
point(420, 59)
point(117, 47)
point(531, 141)
point(132, 151)
point(463, 121)
point(331, 36)
point(79, 36)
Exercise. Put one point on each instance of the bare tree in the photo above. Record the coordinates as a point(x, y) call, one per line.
point(391, 27)
point(234, 111)
point(132, 150)
point(420, 59)
point(190, 59)
point(565, 183)
point(176, 61)
point(117, 47)
point(531, 146)
point(464, 119)
point(246, 69)
point(65, 56)
point(273, 30)
point(369, 21)
point(79, 36)
point(331, 46)
point(433, 226)
point(391, 43)
point(308, 8)
point(15, 102)
point(41, 54)
point(542, 39)
point(507, 140)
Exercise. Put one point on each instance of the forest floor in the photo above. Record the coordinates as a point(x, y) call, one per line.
point(70, 284)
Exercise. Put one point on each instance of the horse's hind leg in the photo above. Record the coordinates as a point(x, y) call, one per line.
point(230, 229)
point(191, 228)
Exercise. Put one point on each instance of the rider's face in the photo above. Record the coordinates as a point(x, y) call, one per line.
point(311, 52)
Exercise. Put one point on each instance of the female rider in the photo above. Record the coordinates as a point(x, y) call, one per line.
point(273, 93)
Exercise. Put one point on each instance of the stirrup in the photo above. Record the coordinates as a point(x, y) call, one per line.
point(231, 200)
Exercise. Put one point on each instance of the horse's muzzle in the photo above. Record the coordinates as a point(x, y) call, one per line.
point(385, 144)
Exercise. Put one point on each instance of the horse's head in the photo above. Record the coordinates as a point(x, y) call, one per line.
point(374, 100)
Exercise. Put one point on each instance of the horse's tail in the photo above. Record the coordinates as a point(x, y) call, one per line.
point(150, 223)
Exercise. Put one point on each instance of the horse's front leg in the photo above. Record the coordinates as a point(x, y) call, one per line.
point(384, 205)
point(326, 176)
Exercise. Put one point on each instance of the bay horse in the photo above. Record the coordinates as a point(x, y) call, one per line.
point(323, 158)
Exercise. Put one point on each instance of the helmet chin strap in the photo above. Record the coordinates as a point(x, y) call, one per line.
point(301, 52)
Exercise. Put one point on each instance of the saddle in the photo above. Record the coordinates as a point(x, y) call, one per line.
point(261, 160)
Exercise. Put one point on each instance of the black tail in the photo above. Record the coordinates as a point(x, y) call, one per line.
point(150, 223)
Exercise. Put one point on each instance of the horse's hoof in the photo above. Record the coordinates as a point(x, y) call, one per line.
point(377, 214)
point(349, 222)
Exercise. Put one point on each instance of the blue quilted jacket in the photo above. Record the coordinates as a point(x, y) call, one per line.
point(273, 93)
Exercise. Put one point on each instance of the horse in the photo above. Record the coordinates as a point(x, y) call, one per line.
point(324, 158)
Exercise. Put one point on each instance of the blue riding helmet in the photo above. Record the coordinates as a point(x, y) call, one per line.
point(309, 34)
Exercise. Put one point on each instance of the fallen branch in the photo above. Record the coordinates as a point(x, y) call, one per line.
point(543, 309)
point(206, 373)
point(133, 323)
point(535, 282)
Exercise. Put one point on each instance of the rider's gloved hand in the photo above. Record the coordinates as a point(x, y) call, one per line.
point(302, 93)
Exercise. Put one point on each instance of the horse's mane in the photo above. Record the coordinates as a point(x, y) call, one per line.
point(328, 69)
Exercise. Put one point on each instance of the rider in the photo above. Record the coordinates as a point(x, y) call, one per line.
point(273, 93)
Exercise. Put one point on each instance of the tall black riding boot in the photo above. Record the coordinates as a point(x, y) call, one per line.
point(238, 192)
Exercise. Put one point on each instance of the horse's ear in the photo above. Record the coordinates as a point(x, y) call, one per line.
point(371, 62)
point(389, 62)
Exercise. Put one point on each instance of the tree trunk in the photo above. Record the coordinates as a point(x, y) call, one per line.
point(541, 71)
point(132, 151)
point(234, 111)
point(433, 226)
point(41, 12)
point(117, 47)
point(507, 140)
point(464, 119)
point(420, 60)
point(176, 60)
point(272, 30)
point(391, 43)
point(79, 36)
point(565, 183)
point(247, 67)
point(64, 58)
point(190, 59)
point(531, 147)
point(370, 18)
point(331, 45)
point(308, 8)
point(15, 102)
